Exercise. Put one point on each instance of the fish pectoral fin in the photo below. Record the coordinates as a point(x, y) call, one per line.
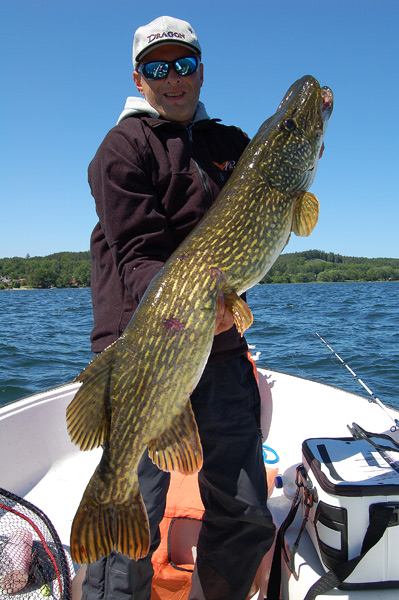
point(178, 448)
point(240, 310)
point(87, 418)
point(97, 529)
point(306, 214)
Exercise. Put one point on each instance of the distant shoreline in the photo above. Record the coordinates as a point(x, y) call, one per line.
point(72, 270)
point(29, 289)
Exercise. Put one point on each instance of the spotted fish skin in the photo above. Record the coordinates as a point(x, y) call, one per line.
point(135, 395)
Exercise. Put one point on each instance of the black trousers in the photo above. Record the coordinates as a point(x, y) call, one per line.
point(237, 528)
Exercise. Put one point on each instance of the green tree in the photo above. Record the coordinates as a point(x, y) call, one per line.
point(329, 275)
point(82, 274)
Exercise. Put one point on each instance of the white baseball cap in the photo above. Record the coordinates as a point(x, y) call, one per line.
point(163, 30)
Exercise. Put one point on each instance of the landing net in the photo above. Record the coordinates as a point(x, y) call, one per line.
point(33, 562)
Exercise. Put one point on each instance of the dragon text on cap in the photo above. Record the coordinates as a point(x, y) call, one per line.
point(166, 34)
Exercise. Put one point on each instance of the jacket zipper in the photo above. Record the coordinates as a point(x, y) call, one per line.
point(208, 195)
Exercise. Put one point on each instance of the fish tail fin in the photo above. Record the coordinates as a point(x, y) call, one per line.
point(97, 529)
point(132, 530)
point(92, 534)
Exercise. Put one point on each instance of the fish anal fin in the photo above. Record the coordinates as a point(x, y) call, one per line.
point(97, 529)
point(306, 214)
point(240, 310)
point(87, 414)
point(178, 448)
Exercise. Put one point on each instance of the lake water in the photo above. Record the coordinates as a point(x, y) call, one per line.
point(44, 335)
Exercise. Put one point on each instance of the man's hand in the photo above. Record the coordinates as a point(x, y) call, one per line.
point(224, 318)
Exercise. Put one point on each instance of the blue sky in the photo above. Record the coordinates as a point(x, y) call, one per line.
point(66, 72)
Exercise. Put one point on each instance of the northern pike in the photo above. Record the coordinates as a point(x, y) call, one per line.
point(135, 396)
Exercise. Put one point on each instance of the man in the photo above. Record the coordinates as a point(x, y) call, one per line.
point(153, 178)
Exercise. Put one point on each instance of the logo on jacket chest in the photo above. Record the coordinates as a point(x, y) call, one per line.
point(227, 165)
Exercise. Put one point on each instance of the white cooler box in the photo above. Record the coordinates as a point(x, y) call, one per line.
point(355, 481)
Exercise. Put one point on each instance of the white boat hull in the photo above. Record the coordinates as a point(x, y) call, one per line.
point(44, 467)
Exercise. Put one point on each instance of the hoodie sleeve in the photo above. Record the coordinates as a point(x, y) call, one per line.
point(130, 215)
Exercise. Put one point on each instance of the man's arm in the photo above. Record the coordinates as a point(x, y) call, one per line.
point(133, 223)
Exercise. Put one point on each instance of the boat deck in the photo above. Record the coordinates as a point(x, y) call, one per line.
point(48, 470)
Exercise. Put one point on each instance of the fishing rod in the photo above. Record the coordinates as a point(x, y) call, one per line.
point(373, 396)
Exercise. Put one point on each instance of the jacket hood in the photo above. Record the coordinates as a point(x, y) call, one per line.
point(140, 106)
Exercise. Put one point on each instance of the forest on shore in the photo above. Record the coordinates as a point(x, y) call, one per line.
point(73, 269)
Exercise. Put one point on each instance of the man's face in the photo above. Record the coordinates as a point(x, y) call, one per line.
point(174, 97)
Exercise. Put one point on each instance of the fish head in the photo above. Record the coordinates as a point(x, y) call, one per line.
point(290, 142)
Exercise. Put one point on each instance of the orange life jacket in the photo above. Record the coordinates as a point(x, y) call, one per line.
point(173, 561)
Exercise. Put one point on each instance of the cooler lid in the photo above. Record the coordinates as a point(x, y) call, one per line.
point(349, 467)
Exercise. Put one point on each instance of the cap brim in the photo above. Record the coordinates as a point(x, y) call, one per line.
point(149, 49)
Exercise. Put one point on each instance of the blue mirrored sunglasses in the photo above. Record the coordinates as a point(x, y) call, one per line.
point(158, 69)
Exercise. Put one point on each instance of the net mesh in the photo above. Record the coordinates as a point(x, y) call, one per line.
point(33, 562)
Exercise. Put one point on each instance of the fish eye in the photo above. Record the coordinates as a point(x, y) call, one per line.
point(290, 125)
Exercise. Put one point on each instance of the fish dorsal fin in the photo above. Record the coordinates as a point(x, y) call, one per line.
point(178, 448)
point(240, 310)
point(87, 414)
point(306, 214)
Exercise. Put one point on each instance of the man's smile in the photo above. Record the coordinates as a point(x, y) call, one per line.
point(174, 94)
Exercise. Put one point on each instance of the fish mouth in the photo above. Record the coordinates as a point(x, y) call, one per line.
point(327, 99)
point(327, 104)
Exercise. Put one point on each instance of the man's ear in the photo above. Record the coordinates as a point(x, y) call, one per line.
point(137, 81)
